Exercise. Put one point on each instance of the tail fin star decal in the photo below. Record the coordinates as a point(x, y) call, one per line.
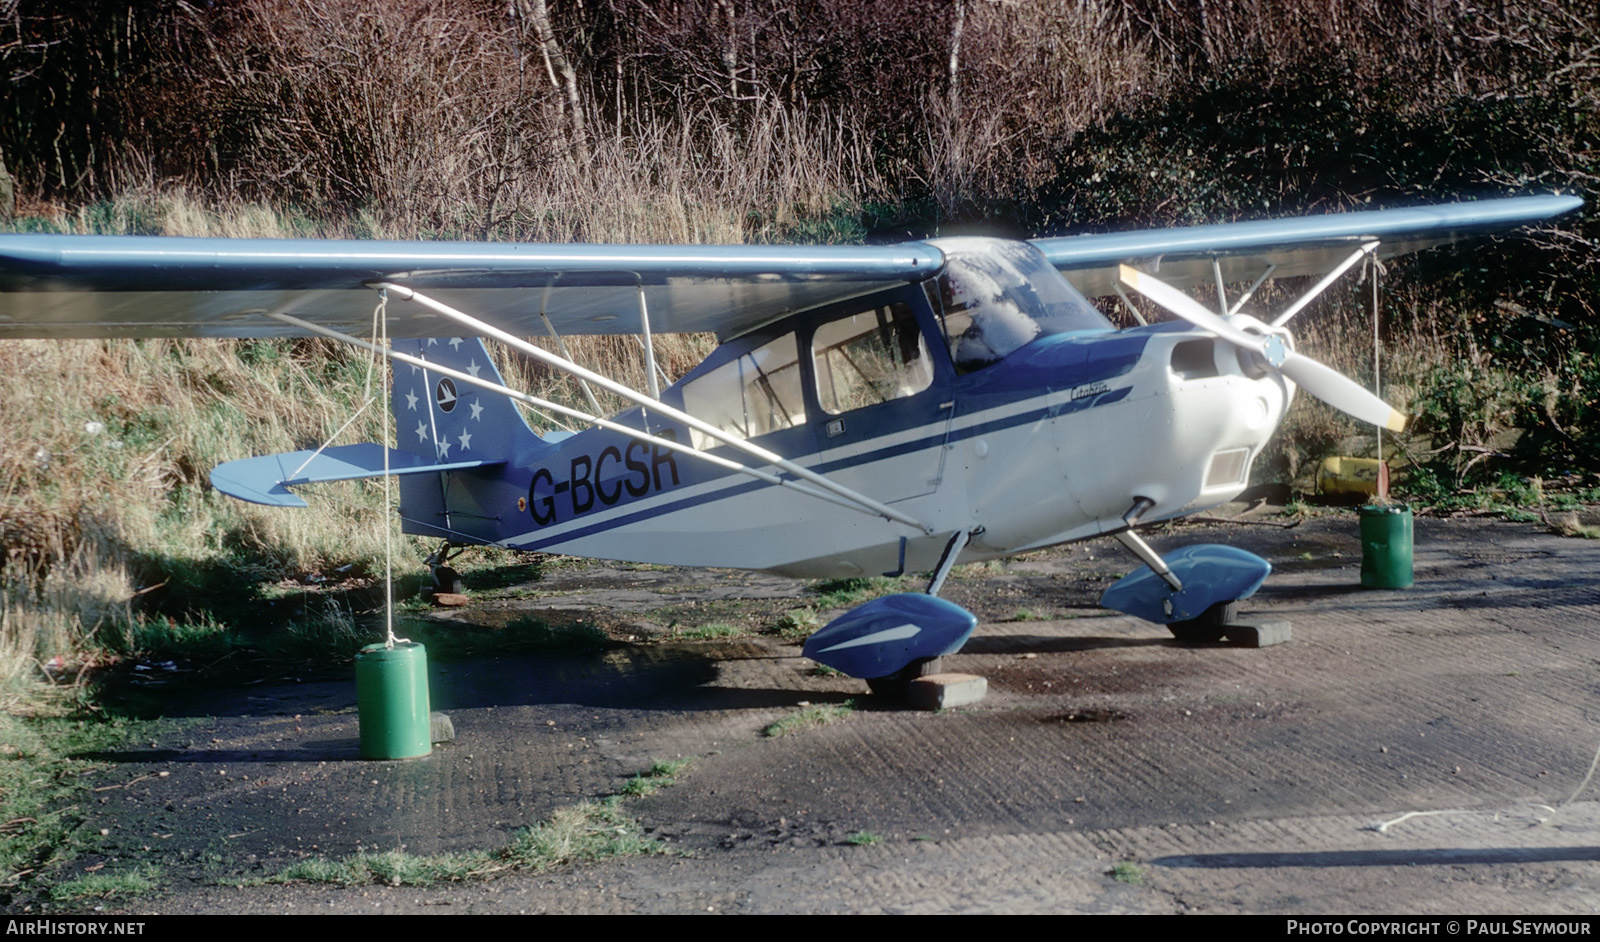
point(453, 420)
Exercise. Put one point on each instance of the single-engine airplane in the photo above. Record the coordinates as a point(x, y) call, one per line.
point(870, 409)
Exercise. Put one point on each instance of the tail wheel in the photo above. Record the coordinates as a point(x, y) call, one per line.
point(447, 580)
point(1209, 626)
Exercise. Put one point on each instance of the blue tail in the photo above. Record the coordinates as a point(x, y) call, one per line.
point(442, 425)
point(443, 420)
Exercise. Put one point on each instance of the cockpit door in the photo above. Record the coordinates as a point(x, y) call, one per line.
point(882, 396)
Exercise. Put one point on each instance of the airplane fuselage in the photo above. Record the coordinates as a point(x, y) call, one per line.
point(908, 396)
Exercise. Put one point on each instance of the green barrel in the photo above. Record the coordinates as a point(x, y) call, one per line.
point(1386, 547)
point(392, 694)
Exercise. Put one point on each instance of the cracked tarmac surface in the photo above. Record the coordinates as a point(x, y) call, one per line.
point(1222, 779)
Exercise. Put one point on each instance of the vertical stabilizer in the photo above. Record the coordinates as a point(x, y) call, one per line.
point(442, 419)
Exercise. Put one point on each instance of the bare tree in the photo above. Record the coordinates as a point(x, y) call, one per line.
point(535, 14)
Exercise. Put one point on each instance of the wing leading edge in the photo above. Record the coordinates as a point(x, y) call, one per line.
point(133, 286)
point(1304, 245)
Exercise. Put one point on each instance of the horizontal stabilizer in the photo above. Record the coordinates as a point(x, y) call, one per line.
point(265, 480)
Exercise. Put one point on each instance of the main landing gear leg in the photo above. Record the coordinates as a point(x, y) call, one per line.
point(1194, 591)
point(895, 685)
point(1210, 625)
point(947, 562)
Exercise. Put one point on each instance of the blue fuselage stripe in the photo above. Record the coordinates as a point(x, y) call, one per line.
point(936, 439)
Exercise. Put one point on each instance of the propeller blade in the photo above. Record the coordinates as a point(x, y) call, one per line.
point(1340, 391)
point(1323, 382)
point(1187, 308)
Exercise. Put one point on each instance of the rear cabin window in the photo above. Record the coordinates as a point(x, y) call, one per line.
point(756, 393)
point(871, 357)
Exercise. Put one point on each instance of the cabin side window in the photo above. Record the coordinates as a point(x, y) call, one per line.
point(875, 356)
point(756, 393)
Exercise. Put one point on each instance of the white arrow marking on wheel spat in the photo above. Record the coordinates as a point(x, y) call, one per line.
point(888, 634)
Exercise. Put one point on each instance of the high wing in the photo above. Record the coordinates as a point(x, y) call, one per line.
point(132, 286)
point(1303, 245)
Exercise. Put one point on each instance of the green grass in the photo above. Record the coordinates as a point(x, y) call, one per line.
point(714, 631)
point(863, 839)
point(45, 784)
point(796, 625)
point(1126, 871)
point(324, 627)
point(810, 717)
point(580, 833)
point(392, 868)
point(660, 775)
point(586, 832)
point(1028, 614)
point(124, 884)
point(840, 593)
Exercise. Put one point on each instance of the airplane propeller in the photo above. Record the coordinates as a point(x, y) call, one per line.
point(1323, 382)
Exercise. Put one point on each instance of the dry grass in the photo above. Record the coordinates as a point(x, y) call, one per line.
point(108, 444)
point(104, 464)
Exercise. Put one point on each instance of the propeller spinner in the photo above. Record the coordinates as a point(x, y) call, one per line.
point(1323, 382)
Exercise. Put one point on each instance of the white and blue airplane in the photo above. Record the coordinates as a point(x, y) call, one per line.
point(870, 409)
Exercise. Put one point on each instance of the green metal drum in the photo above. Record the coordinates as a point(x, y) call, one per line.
point(392, 694)
point(1386, 546)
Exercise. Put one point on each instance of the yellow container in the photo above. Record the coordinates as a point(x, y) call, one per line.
point(1353, 477)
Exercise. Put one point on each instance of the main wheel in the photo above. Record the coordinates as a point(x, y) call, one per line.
point(894, 686)
point(1208, 627)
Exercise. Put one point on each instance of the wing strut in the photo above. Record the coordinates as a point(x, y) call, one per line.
point(1249, 292)
point(1322, 285)
point(678, 415)
point(562, 346)
point(649, 347)
point(1129, 304)
point(538, 403)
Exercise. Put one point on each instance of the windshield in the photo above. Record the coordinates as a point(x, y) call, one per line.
point(996, 295)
